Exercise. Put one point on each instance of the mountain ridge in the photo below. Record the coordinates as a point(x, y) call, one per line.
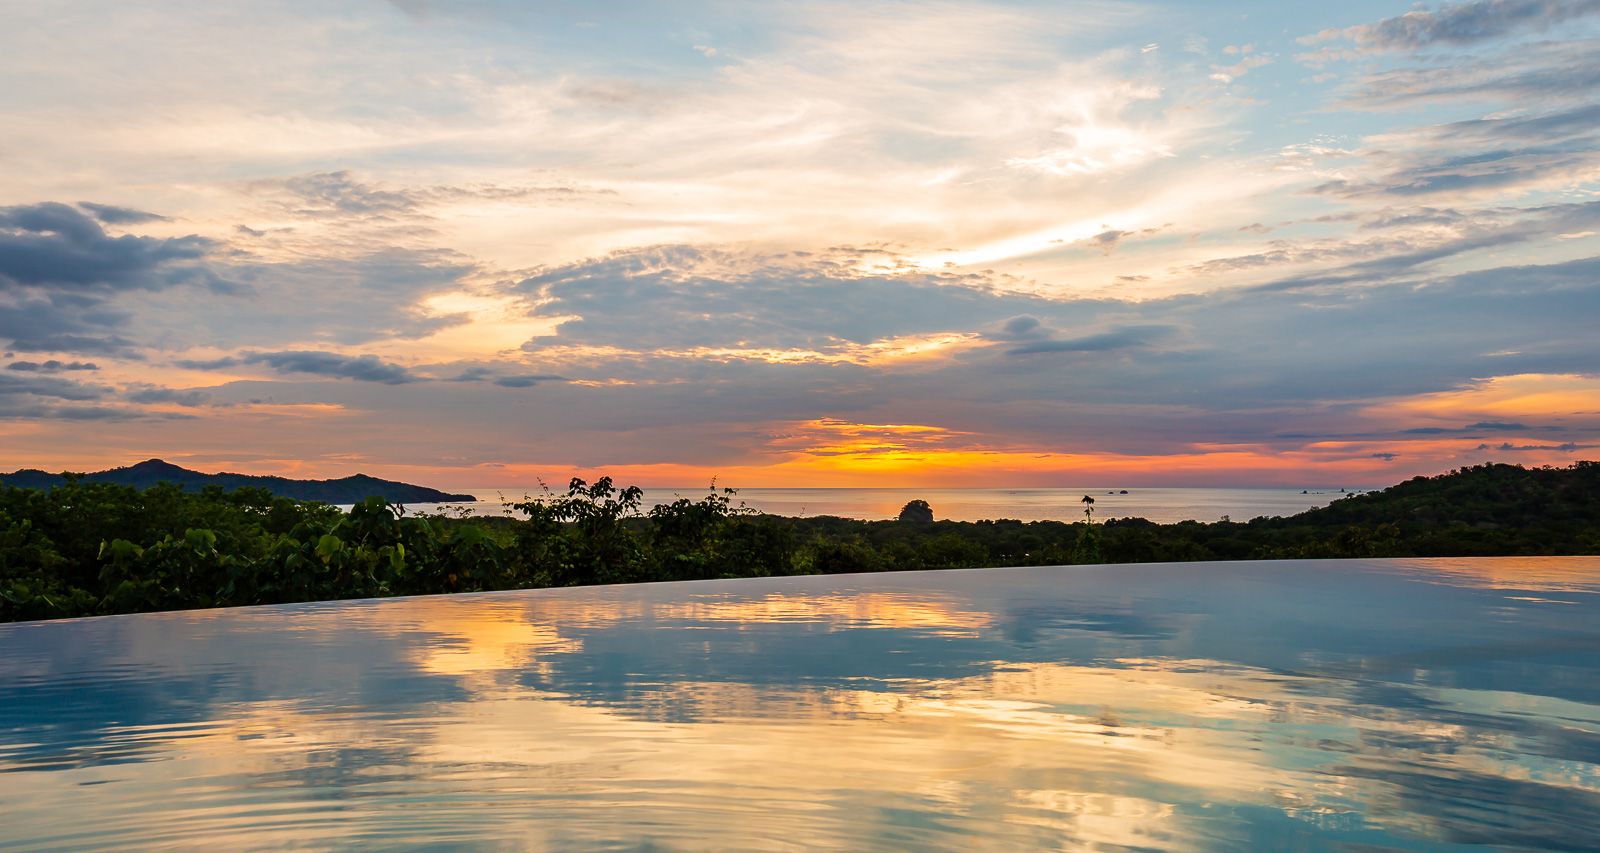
point(143, 475)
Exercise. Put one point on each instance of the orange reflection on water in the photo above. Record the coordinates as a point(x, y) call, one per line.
point(928, 616)
point(470, 625)
point(1548, 574)
point(501, 643)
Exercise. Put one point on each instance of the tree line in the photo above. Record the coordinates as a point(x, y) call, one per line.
point(89, 548)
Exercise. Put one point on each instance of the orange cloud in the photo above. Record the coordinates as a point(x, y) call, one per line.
point(1502, 398)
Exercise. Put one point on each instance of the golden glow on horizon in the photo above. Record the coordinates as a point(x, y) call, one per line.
point(893, 468)
point(1540, 396)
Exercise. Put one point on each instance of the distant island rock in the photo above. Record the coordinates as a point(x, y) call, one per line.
point(346, 490)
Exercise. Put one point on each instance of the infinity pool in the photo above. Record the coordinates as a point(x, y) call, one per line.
point(1318, 705)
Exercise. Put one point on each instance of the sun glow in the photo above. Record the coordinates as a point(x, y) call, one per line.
point(489, 325)
point(1527, 395)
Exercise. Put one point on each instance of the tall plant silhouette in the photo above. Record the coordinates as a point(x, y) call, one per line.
point(1087, 548)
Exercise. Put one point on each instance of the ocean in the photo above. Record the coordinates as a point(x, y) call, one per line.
point(1164, 506)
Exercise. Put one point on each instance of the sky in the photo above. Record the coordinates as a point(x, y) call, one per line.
point(482, 244)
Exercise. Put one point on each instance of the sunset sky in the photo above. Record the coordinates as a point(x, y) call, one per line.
point(476, 243)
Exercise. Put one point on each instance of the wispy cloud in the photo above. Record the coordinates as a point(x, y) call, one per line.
point(365, 368)
point(1461, 23)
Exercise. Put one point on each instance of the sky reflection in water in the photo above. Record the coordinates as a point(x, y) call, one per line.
point(1405, 704)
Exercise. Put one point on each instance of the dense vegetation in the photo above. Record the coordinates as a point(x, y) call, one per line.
point(86, 548)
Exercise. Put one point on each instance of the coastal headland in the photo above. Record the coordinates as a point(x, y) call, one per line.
point(151, 472)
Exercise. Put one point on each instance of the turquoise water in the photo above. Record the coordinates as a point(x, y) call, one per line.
point(1331, 705)
point(1161, 505)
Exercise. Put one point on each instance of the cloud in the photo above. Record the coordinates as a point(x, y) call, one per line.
point(113, 215)
point(684, 296)
point(189, 398)
point(1569, 447)
point(344, 196)
point(1471, 159)
point(365, 368)
point(1484, 426)
point(1387, 457)
point(56, 246)
point(1563, 72)
point(60, 273)
point(1286, 342)
point(51, 366)
point(347, 297)
point(63, 322)
point(480, 373)
point(1021, 327)
point(1469, 172)
point(323, 193)
point(1116, 338)
point(1404, 250)
point(1229, 73)
point(36, 412)
point(49, 386)
point(1461, 24)
point(524, 381)
point(210, 364)
point(1108, 240)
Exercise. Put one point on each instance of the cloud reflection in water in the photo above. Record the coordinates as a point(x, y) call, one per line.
point(1188, 707)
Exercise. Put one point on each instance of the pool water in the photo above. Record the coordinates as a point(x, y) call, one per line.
point(1297, 705)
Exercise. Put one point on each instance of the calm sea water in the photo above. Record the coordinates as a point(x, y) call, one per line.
point(1164, 506)
point(1420, 705)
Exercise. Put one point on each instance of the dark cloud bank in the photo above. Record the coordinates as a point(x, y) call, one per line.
point(60, 272)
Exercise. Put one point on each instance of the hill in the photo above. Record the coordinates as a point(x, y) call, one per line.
point(1486, 497)
point(346, 490)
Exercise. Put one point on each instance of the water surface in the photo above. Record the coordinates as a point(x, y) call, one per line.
point(1161, 505)
point(1317, 705)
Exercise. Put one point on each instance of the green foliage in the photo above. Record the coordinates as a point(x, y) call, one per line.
point(917, 510)
point(1086, 549)
point(950, 551)
point(835, 557)
point(582, 537)
point(86, 548)
point(696, 540)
